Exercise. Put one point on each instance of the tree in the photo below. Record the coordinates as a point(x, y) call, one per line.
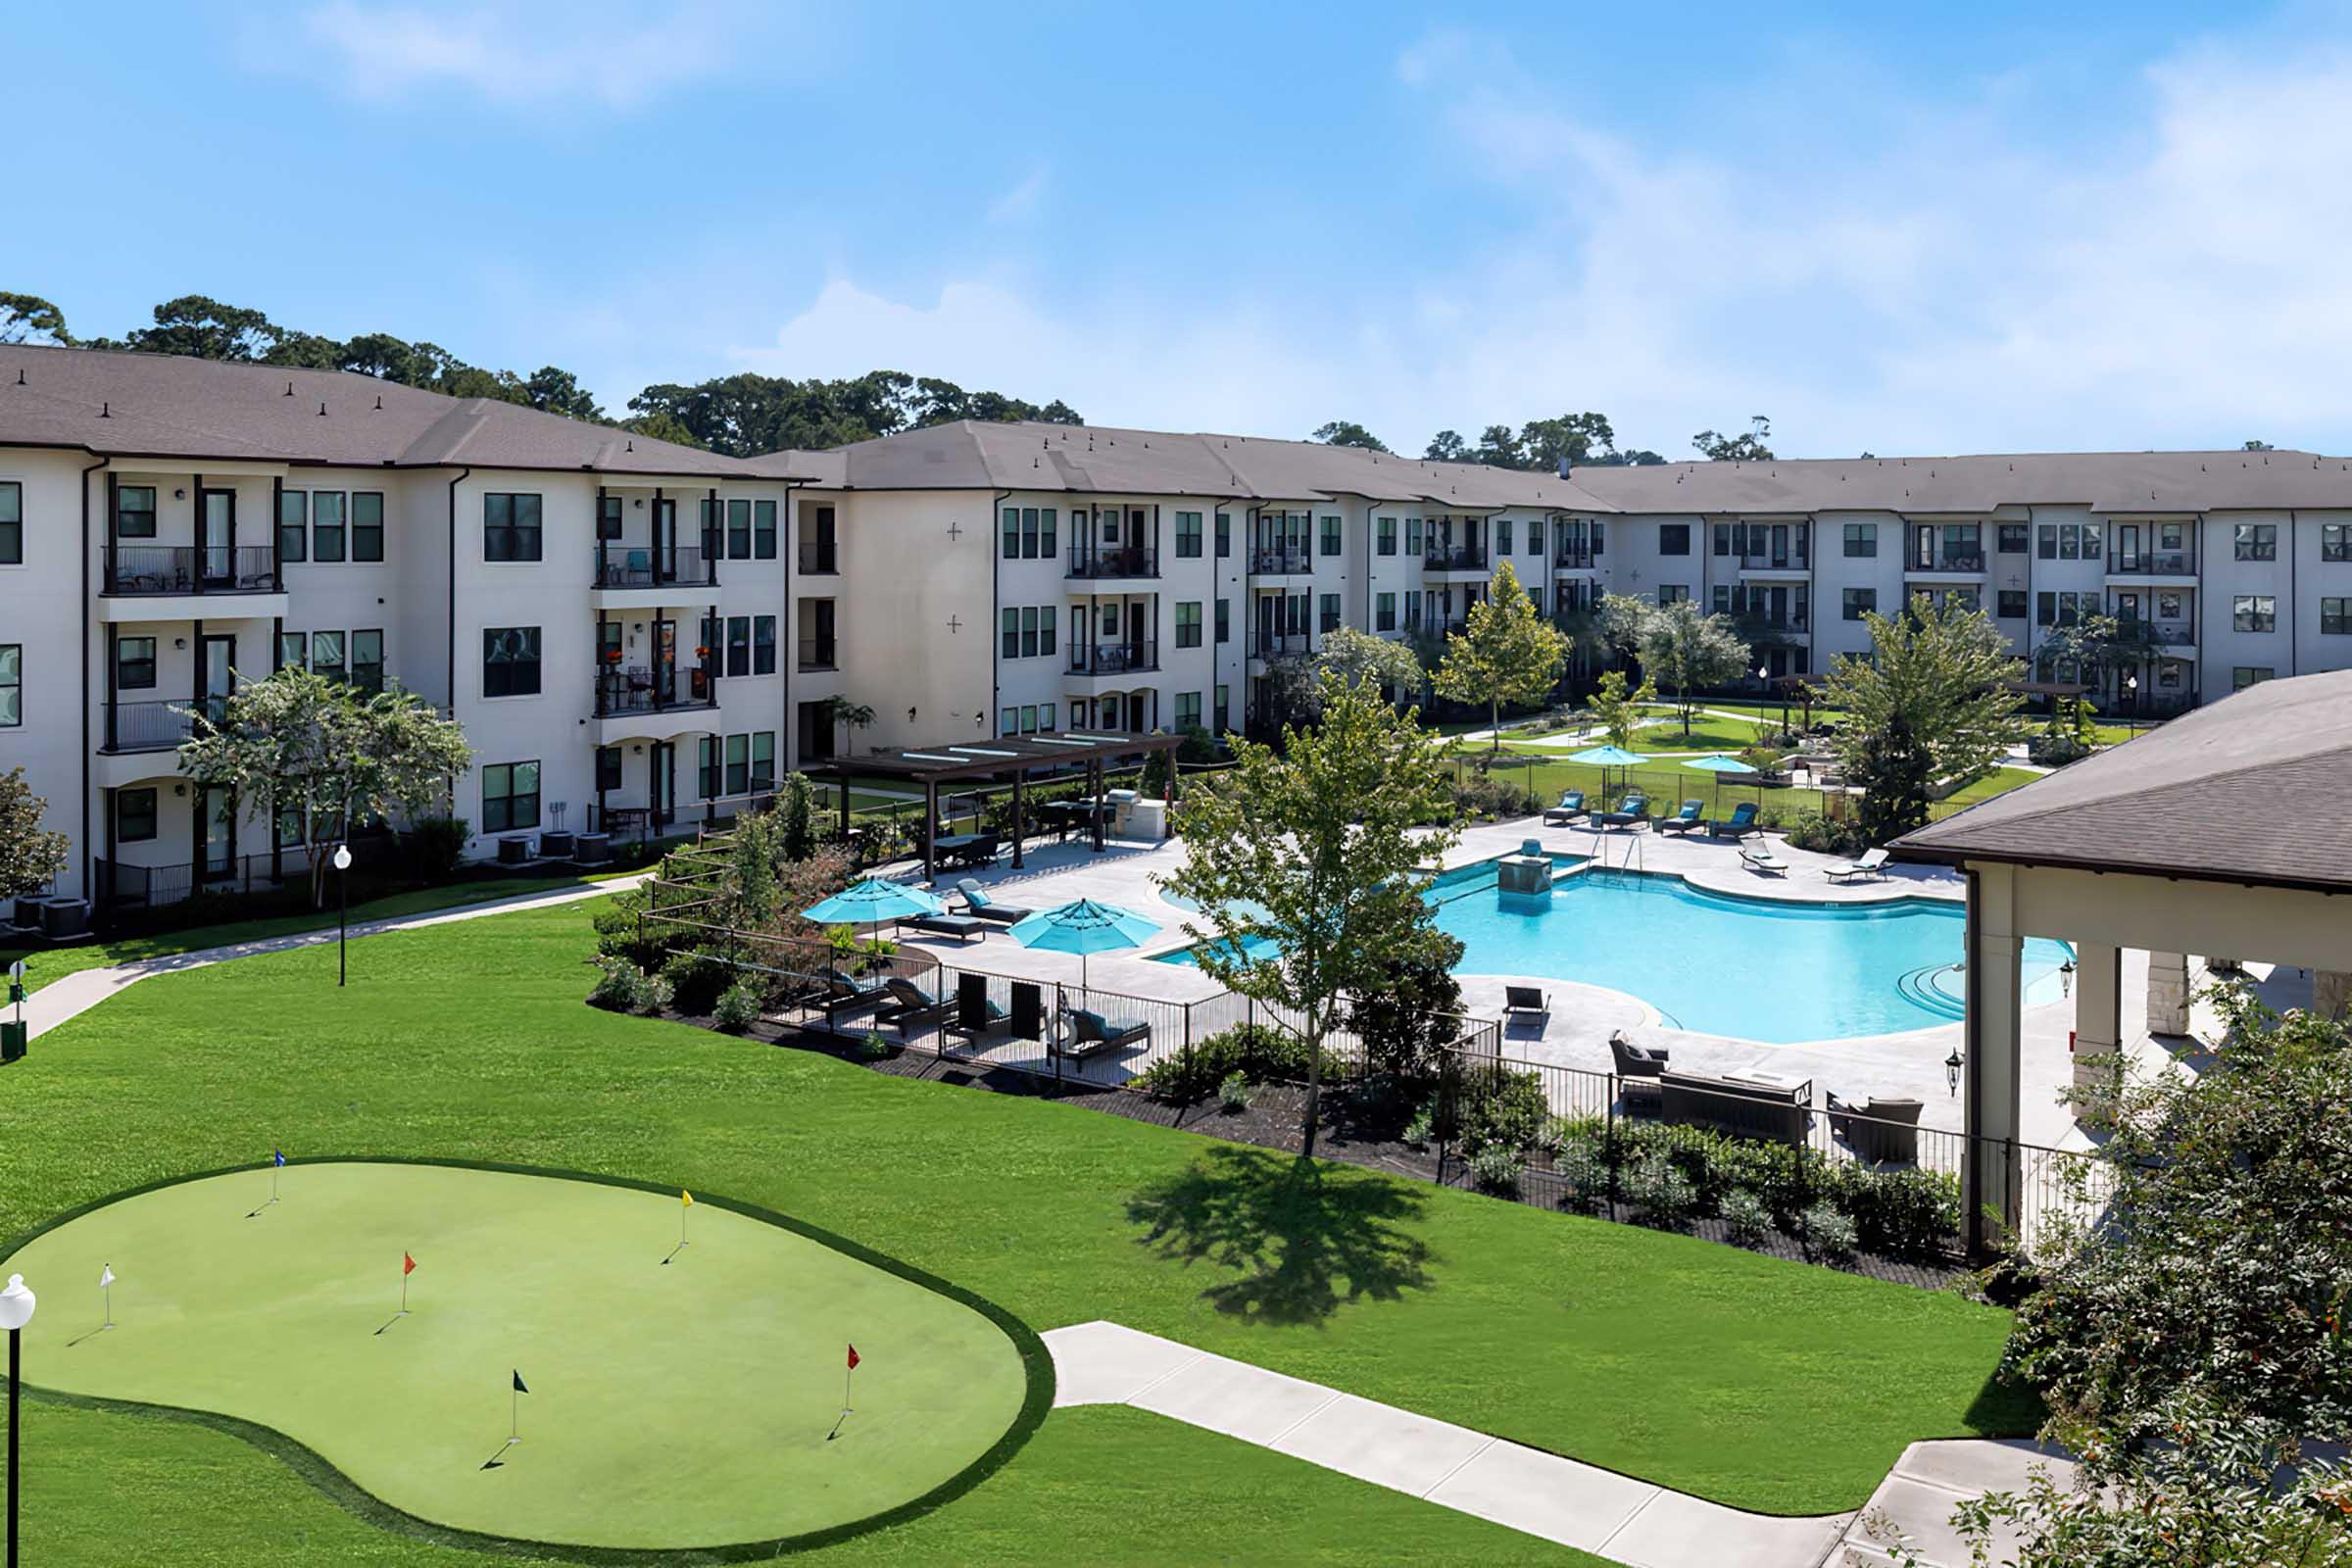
point(1932, 701)
point(1447, 446)
point(2257, 446)
point(1348, 433)
point(554, 391)
point(851, 716)
point(1573, 438)
point(325, 754)
point(1618, 710)
point(31, 856)
point(31, 318)
point(1686, 649)
point(745, 415)
point(1508, 653)
point(1746, 447)
point(1358, 658)
point(1619, 618)
point(201, 326)
point(1307, 860)
point(662, 427)
point(1498, 448)
point(796, 814)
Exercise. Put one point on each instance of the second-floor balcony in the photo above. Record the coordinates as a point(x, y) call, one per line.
point(1113, 658)
point(619, 565)
point(1099, 561)
point(155, 727)
point(160, 571)
point(1788, 559)
point(2125, 561)
point(2156, 633)
point(1279, 644)
point(1280, 561)
point(1949, 560)
point(819, 556)
point(818, 653)
point(1454, 558)
point(1569, 553)
point(655, 688)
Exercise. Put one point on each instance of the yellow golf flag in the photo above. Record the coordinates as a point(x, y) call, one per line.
point(686, 1197)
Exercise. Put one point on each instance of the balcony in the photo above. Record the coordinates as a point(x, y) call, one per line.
point(1095, 563)
point(1454, 558)
point(1575, 555)
point(818, 653)
point(2152, 563)
point(637, 689)
point(2156, 633)
point(1778, 561)
point(153, 726)
point(1280, 562)
point(157, 572)
point(1959, 560)
point(1279, 645)
point(1113, 658)
point(643, 567)
point(819, 558)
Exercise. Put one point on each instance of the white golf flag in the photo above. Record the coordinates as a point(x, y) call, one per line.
point(106, 1276)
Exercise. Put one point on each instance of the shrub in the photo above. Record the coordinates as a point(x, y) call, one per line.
point(1259, 1052)
point(1829, 1233)
point(1406, 1022)
point(2049, 749)
point(1745, 1219)
point(617, 983)
point(1503, 1106)
point(696, 977)
point(1826, 836)
point(738, 1006)
point(1234, 1094)
point(1551, 1134)
point(433, 846)
point(874, 1047)
point(1421, 1131)
point(1906, 1213)
point(1664, 1194)
point(653, 995)
point(1496, 1169)
point(1583, 1177)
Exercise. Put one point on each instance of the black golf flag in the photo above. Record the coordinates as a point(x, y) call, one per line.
point(518, 1384)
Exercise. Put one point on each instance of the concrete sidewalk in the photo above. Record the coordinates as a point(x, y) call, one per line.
point(77, 994)
point(1524, 1489)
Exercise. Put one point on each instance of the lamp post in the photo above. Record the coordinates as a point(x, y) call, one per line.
point(2132, 701)
point(16, 1310)
point(1951, 1071)
point(343, 914)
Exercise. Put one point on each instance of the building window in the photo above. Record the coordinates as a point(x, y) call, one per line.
point(2065, 609)
point(134, 816)
point(739, 532)
point(2335, 541)
point(764, 761)
point(510, 795)
point(714, 532)
point(1502, 536)
point(12, 523)
point(511, 532)
point(510, 661)
point(326, 655)
point(1387, 536)
point(1009, 721)
point(327, 525)
point(134, 511)
point(293, 525)
point(293, 650)
point(1862, 539)
point(706, 752)
point(2012, 604)
point(1224, 534)
point(1673, 539)
point(2012, 538)
point(1383, 612)
point(12, 685)
point(2068, 541)
point(1860, 602)
point(739, 644)
point(367, 661)
point(608, 519)
point(2254, 612)
point(368, 525)
point(134, 664)
point(2246, 676)
point(1331, 546)
point(1188, 535)
point(1012, 533)
point(1535, 536)
point(1224, 621)
point(1187, 624)
point(1412, 536)
point(739, 765)
point(608, 769)
point(1329, 619)
point(1674, 592)
point(2257, 541)
point(1011, 637)
point(763, 539)
point(1188, 710)
point(763, 645)
point(2335, 617)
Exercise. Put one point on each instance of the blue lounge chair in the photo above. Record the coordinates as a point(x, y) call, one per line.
point(1571, 806)
point(978, 903)
point(1092, 1032)
point(1739, 825)
point(1684, 821)
point(1632, 811)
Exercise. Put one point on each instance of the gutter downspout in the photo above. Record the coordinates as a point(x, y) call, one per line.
point(2295, 605)
point(451, 689)
point(788, 651)
point(996, 650)
point(89, 889)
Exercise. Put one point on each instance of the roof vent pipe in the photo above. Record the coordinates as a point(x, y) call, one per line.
point(289, 389)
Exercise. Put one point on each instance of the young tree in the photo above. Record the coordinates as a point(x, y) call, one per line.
point(1746, 447)
point(851, 716)
point(1358, 658)
point(31, 318)
point(1509, 654)
point(31, 856)
point(1930, 702)
point(1308, 860)
point(328, 753)
point(1685, 649)
point(1618, 710)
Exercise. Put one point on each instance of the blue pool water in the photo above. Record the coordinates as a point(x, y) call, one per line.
point(1766, 970)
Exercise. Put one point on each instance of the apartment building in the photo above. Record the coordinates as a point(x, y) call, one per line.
point(636, 634)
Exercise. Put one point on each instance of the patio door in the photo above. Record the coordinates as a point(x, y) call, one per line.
point(665, 661)
point(215, 675)
point(216, 538)
point(666, 539)
point(216, 833)
point(2127, 546)
point(663, 783)
point(1135, 634)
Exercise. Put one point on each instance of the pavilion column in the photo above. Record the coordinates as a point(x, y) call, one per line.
point(930, 823)
point(1019, 822)
point(1991, 1107)
point(2169, 992)
point(2098, 1014)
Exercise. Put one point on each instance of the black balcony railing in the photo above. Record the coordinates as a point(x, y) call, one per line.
point(1279, 644)
point(1276, 561)
point(1113, 658)
point(1113, 561)
point(2153, 562)
point(132, 570)
point(1953, 561)
point(647, 689)
point(1572, 554)
point(649, 566)
point(1773, 560)
point(1455, 557)
point(818, 653)
point(819, 557)
point(2156, 633)
point(153, 726)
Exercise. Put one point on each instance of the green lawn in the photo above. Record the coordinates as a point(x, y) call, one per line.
point(1766, 1385)
point(1999, 781)
point(680, 1391)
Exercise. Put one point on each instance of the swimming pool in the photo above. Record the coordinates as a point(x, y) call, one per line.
point(1769, 969)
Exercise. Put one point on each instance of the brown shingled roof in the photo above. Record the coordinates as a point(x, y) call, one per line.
point(2256, 788)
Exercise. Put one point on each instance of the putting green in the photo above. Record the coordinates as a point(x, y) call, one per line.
point(670, 1404)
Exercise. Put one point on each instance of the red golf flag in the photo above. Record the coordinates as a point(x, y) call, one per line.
point(852, 1358)
point(408, 1265)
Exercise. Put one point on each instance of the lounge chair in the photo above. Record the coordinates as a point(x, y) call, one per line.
point(1760, 858)
point(1873, 864)
point(1632, 811)
point(1637, 1072)
point(1882, 1132)
point(910, 1005)
point(1092, 1032)
point(1739, 825)
point(846, 998)
point(976, 1016)
point(1684, 821)
point(1571, 806)
point(963, 927)
point(1525, 999)
point(978, 905)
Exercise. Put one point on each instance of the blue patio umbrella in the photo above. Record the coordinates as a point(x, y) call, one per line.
point(872, 902)
point(1083, 927)
point(1719, 764)
point(1605, 758)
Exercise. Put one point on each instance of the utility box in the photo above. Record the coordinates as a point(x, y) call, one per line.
point(12, 1042)
point(1528, 875)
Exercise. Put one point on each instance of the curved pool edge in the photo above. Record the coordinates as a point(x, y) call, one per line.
point(1037, 1399)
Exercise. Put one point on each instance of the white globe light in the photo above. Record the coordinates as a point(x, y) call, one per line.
point(15, 1305)
point(342, 857)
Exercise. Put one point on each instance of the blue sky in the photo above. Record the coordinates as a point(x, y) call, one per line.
point(1992, 230)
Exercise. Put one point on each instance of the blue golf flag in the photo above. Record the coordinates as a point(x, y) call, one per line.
point(277, 1156)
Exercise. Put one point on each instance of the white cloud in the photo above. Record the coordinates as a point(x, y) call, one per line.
point(524, 51)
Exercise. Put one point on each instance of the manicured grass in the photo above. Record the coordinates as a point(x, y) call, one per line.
point(679, 1394)
point(1999, 781)
point(1766, 1385)
point(43, 965)
point(1664, 780)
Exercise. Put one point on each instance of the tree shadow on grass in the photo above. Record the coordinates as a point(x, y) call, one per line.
point(1303, 1238)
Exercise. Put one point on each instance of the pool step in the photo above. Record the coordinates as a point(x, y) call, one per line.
point(1937, 988)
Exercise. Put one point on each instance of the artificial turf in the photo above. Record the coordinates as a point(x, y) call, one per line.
point(681, 1392)
point(1762, 1384)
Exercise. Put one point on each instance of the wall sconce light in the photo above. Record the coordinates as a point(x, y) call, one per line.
point(179, 642)
point(980, 718)
point(641, 503)
point(180, 789)
point(910, 715)
point(1951, 1071)
point(180, 494)
point(637, 748)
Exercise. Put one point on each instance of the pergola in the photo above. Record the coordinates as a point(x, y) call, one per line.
point(2227, 834)
point(1017, 757)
